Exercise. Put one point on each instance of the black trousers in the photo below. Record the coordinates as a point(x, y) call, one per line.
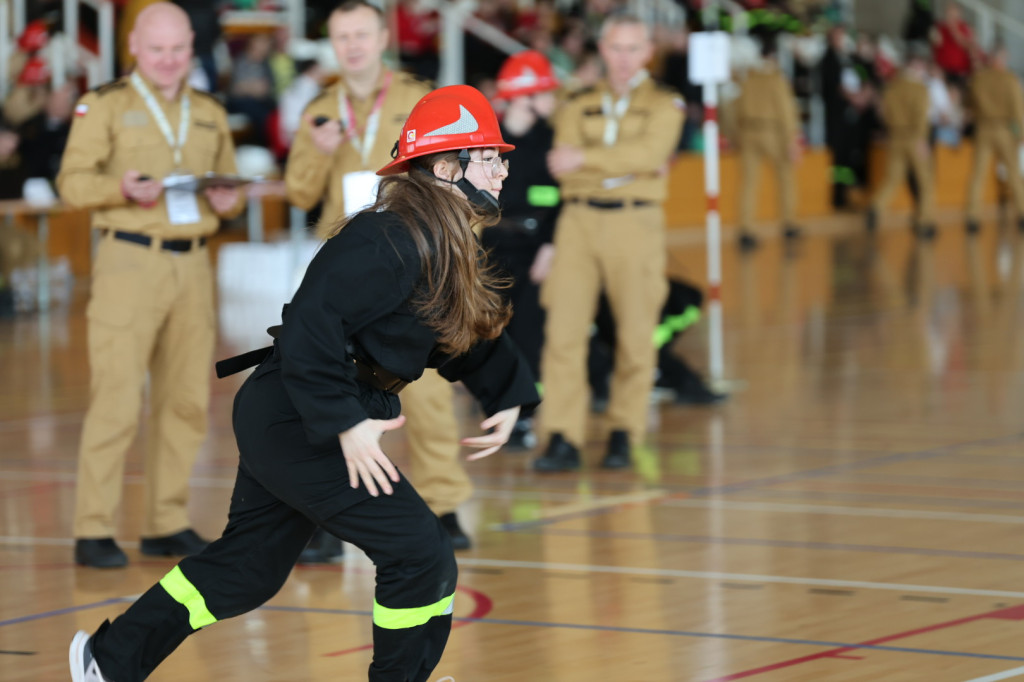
point(285, 488)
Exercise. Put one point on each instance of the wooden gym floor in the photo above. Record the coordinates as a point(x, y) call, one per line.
point(854, 512)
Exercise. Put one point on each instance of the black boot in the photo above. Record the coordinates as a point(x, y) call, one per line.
point(748, 242)
point(561, 455)
point(323, 548)
point(185, 543)
point(791, 231)
point(618, 454)
point(686, 386)
point(973, 227)
point(451, 524)
point(99, 553)
point(926, 232)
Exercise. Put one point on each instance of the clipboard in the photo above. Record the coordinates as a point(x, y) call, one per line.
point(198, 183)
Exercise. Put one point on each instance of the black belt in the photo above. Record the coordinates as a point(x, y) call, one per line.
point(180, 245)
point(611, 204)
point(368, 373)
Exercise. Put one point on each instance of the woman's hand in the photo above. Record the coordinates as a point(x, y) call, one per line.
point(364, 458)
point(501, 423)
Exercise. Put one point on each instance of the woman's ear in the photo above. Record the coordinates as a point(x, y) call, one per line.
point(443, 169)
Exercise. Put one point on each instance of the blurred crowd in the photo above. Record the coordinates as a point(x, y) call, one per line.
point(266, 78)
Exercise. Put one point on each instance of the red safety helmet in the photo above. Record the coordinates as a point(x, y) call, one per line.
point(34, 37)
point(525, 73)
point(447, 119)
point(35, 72)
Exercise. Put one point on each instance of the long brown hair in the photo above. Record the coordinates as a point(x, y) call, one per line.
point(458, 297)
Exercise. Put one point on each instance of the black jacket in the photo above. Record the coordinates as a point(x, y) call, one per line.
point(519, 191)
point(356, 298)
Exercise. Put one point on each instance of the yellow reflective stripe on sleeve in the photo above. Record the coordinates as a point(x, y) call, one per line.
point(398, 619)
point(186, 594)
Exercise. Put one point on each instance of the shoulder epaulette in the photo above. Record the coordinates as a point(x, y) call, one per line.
point(416, 78)
point(112, 86)
point(667, 89)
point(206, 95)
point(585, 91)
point(323, 93)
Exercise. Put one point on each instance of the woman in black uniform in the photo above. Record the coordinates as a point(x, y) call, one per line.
point(402, 287)
point(520, 245)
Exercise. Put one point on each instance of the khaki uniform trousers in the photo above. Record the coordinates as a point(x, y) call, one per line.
point(991, 138)
point(903, 151)
point(150, 311)
point(756, 145)
point(622, 252)
point(433, 434)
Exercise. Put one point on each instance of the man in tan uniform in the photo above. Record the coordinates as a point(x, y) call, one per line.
point(994, 96)
point(904, 109)
point(611, 152)
point(769, 129)
point(151, 307)
point(345, 135)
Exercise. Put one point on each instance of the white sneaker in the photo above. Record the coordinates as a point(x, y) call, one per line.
point(84, 667)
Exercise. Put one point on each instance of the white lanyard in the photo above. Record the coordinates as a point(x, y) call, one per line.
point(363, 144)
point(161, 118)
point(613, 112)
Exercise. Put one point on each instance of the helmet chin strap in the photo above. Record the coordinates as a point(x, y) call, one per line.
point(480, 198)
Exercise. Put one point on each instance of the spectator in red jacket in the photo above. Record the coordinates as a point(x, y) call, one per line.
point(954, 45)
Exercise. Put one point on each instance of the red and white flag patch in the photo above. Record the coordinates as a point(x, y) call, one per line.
point(81, 110)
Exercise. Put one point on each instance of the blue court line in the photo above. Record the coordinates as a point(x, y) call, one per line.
point(577, 626)
point(61, 612)
point(967, 502)
point(986, 484)
point(681, 633)
point(755, 542)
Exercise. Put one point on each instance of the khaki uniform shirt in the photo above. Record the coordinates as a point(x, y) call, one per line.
point(766, 102)
point(114, 132)
point(995, 97)
point(634, 166)
point(905, 107)
point(312, 176)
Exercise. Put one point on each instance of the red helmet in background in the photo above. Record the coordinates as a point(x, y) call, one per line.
point(36, 72)
point(525, 73)
point(34, 37)
point(448, 119)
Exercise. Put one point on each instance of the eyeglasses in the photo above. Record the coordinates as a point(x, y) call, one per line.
point(496, 163)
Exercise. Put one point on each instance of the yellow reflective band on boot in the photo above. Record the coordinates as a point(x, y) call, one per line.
point(398, 619)
point(186, 594)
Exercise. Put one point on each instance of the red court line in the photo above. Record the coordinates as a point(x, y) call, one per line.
point(482, 605)
point(1011, 613)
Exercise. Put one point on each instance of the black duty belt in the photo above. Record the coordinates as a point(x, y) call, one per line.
point(611, 204)
point(369, 373)
point(180, 245)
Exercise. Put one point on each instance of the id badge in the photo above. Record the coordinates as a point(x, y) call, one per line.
point(359, 189)
point(182, 207)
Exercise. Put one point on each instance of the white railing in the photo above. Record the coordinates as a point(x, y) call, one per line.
point(99, 67)
point(989, 21)
point(293, 15)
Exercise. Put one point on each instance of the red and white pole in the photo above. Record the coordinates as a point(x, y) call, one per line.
point(716, 359)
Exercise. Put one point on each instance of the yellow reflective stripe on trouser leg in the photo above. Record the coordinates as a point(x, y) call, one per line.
point(397, 619)
point(186, 594)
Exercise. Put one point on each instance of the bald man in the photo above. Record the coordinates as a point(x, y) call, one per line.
point(150, 312)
